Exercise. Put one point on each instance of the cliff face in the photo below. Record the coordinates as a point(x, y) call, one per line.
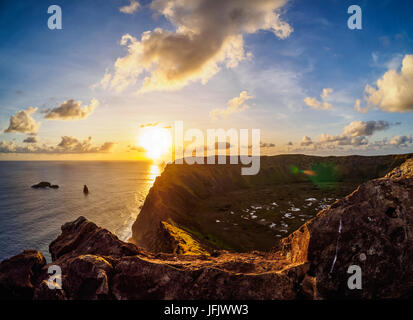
point(371, 228)
point(222, 209)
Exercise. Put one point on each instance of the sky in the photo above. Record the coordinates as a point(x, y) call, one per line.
point(292, 69)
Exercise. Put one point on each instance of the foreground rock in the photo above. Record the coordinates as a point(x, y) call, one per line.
point(44, 185)
point(19, 274)
point(371, 228)
point(97, 265)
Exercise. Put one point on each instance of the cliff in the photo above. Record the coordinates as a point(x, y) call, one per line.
point(371, 228)
point(221, 209)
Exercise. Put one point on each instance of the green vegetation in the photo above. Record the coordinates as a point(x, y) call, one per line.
point(184, 243)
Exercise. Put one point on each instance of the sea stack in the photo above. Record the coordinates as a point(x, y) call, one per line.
point(85, 189)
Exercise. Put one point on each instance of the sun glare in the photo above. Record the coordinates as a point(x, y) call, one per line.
point(156, 141)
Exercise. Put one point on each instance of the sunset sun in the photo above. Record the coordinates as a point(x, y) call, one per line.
point(156, 141)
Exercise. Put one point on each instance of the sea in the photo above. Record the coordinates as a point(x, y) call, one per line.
point(31, 218)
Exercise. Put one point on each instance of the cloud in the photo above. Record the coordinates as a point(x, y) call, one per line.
point(394, 90)
point(106, 147)
point(154, 124)
point(136, 148)
point(315, 104)
point(71, 110)
point(343, 140)
point(23, 122)
point(326, 92)
point(358, 108)
point(11, 147)
point(67, 145)
point(209, 35)
point(131, 8)
point(30, 139)
point(267, 145)
point(234, 105)
point(306, 141)
point(73, 145)
point(320, 105)
point(368, 128)
point(375, 57)
point(354, 135)
point(401, 141)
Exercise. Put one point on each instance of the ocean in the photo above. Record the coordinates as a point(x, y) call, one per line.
point(31, 218)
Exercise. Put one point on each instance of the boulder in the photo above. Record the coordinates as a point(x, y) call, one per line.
point(82, 237)
point(19, 274)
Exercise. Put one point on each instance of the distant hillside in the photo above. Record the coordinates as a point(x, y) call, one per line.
point(221, 209)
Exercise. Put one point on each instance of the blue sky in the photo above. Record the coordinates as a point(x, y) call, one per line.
point(43, 68)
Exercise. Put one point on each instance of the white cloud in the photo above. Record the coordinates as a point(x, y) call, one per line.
point(209, 35)
point(131, 8)
point(320, 105)
point(71, 110)
point(326, 92)
point(354, 135)
point(365, 128)
point(401, 141)
point(343, 140)
point(235, 105)
point(67, 145)
point(306, 141)
point(359, 108)
point(394, 90)
point(267, 145)
point(73, 145)
point(23, 122)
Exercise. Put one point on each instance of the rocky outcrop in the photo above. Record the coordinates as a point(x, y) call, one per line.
point(82, 237)
point(19, 274)
point(44, 185)
point(370, 228)
point(97, 265)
